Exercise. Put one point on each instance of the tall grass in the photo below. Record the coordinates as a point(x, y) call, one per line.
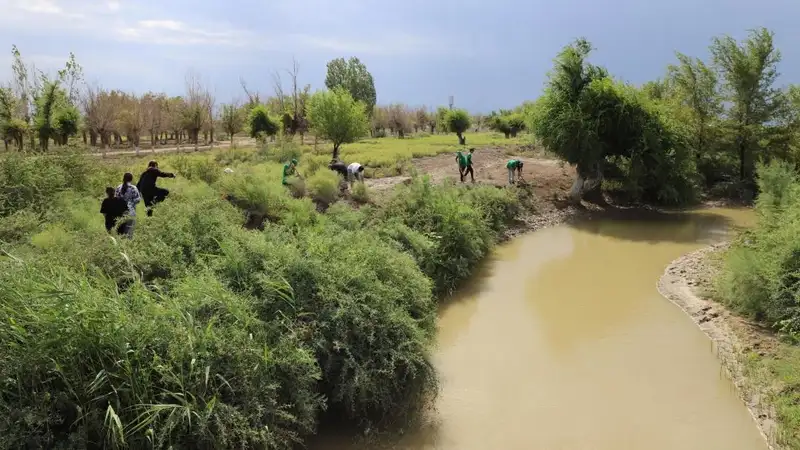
point(201, 334)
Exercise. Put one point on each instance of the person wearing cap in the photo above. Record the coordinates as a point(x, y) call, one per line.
point(514, 165)
point(289, 169)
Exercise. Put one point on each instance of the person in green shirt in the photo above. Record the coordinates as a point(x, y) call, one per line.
point(468, 167)
point(289, 170)
point(514, 165)
point(462, 164)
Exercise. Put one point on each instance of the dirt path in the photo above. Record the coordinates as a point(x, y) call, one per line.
point(684, 283)
point(189, 148)
point(549, 178)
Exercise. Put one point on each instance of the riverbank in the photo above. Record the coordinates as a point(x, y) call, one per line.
point(688, 283)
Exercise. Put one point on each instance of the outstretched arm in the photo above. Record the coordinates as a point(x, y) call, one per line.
point(165, 174)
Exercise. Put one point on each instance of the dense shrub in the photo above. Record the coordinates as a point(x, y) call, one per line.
point(361, 193)
point(85, 366)
point(323, 186)
point(760, 277)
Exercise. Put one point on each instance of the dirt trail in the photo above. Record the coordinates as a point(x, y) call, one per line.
point(548, 177)
point(685, 283)
point(189, 148)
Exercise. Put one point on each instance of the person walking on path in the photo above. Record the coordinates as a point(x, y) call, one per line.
point(152, 194)
point(355, 172)
point(130, 194)
point(514, 165)
point(468, 167)
point(289, 170)
point(112, 208)
point(462, 164)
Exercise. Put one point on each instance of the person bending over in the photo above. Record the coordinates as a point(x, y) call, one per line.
point(514, 166)
point(462, 164)
point(289, 170)
point(152, 194)
point(112, 208)
point(355, 172)
point(338, 167)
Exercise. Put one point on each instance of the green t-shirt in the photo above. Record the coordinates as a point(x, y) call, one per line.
point(462, 160)
point(287, 171)
point(469, 159)
point(512, 164)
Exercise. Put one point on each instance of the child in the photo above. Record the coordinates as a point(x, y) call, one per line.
point(130, 195)
point(112, 208)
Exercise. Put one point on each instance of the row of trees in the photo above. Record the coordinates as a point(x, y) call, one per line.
point(702, 122)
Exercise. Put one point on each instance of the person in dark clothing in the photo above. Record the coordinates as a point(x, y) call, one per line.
point(338, 167)
point(113, 208)
point(152, 194)
point(468, 168)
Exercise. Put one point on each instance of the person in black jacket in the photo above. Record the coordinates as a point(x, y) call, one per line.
point(152, 194)
point(113, 208)
point(338, 167)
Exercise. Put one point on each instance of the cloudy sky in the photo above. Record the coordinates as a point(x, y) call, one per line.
point(487, 54)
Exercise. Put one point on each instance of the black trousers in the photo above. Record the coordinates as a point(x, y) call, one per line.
point(469, 171)
point(152, 197)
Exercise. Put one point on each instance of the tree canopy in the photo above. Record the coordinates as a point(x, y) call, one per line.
point(336, 116)
point(353, 76)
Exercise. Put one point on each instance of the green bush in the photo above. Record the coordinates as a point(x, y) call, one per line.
point(361, 193)
point(323, 186)
point(760, 276)
point(90, 367)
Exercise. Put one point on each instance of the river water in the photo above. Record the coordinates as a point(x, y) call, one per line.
point(562, 342)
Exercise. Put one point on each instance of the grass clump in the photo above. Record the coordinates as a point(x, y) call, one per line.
point(323, 186)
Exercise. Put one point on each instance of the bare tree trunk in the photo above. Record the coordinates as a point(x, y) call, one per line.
point(84, 138)
point(5, 143)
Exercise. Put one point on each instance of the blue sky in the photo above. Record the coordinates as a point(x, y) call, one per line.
point(488, 55)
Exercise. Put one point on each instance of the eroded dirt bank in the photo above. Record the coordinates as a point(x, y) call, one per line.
point(686, 282)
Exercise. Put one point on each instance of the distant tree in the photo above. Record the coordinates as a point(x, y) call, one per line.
point(195, 113)
point(48, 103)
point(516, 123)
point(423, 119)
point(439, 120)
point(379, 121)
point(336, 116)
point(353, 76)
point(749, 70)
point(399, 120)
point(232, 120)
point(499, 123)
point(458, 121)
point(66, 122)
point(101, 110)
point(132, 119)
point(261, 124)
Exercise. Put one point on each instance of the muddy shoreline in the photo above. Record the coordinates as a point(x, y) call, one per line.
point(684, 283)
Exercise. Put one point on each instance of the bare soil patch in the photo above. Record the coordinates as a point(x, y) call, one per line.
point(686, 283)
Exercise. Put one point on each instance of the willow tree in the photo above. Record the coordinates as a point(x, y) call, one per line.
point(458, 121)
point(749, 70)
point(695, 86)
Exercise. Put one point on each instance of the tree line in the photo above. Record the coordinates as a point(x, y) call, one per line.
point(704, 123)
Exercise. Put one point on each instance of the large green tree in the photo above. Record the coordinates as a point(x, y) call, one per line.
point(336, 116)
point(353, 76)
point(749, 70)
point(695, 86)
point(458, 121)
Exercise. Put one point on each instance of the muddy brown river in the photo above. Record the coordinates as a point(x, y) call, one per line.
point(562, 342)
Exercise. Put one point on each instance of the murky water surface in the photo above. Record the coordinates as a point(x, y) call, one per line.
point(563, 342)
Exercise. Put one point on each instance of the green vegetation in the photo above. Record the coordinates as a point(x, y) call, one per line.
point(458, 121)
point(352, 75)
point(336, 116)
point(201, 334)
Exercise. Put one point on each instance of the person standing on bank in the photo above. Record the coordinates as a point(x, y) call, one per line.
point(152, 194)
point(130, 194)
point(514, 165)
point(468, 167)
point(355, 172)
point(461, 160)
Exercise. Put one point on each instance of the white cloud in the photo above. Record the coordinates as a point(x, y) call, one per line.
point(106, 20)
